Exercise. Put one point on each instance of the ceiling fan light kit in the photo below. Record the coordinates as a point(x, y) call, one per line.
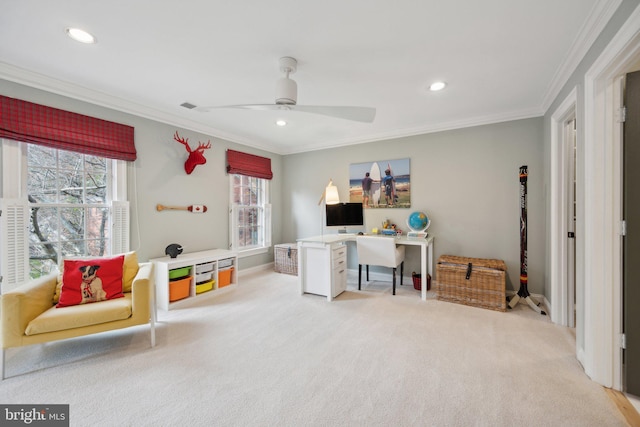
point(286, 91)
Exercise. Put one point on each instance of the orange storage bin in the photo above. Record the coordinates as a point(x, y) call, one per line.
point(224, 277)
point(179, 289)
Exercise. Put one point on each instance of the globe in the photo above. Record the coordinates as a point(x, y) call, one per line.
point(418, 221)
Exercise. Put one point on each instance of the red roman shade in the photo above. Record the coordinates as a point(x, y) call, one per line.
point(248, 164)
point(38, 124)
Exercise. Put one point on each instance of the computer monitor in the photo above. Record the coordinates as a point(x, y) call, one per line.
point(345, 216)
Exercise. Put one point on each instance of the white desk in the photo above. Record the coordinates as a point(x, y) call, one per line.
point(322, 270)
point(426, 258)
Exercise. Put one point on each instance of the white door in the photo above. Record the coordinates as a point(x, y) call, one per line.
point(570, 182)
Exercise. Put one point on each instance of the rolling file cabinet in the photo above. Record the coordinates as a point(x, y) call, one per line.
point(339, 269)
point(322, 263)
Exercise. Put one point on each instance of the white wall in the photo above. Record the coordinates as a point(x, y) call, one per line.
point(158, 176)
point(598, 298)
point(466, 180)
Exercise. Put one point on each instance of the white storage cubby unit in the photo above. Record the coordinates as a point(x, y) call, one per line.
point(196, 270)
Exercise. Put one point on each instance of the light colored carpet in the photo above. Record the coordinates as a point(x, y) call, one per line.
point(261, 354)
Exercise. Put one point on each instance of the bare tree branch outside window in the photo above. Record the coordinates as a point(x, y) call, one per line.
point(249, 199)
point(69, 207)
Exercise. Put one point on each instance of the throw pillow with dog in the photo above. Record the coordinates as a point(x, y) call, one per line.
point(91, 280)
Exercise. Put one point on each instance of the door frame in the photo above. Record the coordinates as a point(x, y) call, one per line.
point(599, 349)
point(559, 209)
point(570, 144)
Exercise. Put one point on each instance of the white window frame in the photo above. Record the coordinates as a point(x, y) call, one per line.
point(265, 209)
point(14, 198)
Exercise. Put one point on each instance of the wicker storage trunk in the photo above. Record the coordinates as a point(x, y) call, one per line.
point(472, 281)
point(286, 258)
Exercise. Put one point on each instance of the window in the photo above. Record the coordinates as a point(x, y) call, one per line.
point(65, 202)
point(250, 214)
point(69, 206)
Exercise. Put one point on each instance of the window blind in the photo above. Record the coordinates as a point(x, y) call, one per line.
point(248, 164)
point(38, 124)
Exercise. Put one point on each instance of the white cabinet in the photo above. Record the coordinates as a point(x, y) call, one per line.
point(322, 267)
point(339, 270)
point(193, 276)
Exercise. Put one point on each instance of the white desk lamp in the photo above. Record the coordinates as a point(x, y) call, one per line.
point(330, 195)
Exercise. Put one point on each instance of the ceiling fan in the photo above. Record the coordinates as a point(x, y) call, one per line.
point(287, 96)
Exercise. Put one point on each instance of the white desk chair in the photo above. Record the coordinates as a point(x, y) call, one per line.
point(377, 250)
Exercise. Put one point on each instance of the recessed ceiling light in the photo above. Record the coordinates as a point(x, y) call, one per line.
point(281, 123)
point(80, 35)
point(437, 86)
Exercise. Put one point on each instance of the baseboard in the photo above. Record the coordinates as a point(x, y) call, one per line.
point(547, 304)
point(256, 269)
point(382, 276)
point(353, 273)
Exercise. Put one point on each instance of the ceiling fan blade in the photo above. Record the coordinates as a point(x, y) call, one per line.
point(358, 114)
point(261, 107)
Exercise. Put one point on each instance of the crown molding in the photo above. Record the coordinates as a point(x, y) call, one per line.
point(422, 130)
point(591, 29)
point(71, 90)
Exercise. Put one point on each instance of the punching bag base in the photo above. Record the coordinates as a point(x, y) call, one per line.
point(516, 299)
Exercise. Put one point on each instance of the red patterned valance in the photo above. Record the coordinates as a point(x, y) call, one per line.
point(38, 124)
point(248, 164)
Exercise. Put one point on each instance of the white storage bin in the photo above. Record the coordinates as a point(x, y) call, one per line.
point(204, 277)
point(224, 263)
point(204, 268)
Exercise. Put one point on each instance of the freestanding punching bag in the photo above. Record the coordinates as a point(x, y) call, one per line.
point(523, 232)
point(523, 292)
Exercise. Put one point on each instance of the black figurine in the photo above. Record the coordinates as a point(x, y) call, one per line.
point(173, 250)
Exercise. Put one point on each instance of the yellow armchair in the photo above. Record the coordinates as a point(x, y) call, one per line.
point(29, 315)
